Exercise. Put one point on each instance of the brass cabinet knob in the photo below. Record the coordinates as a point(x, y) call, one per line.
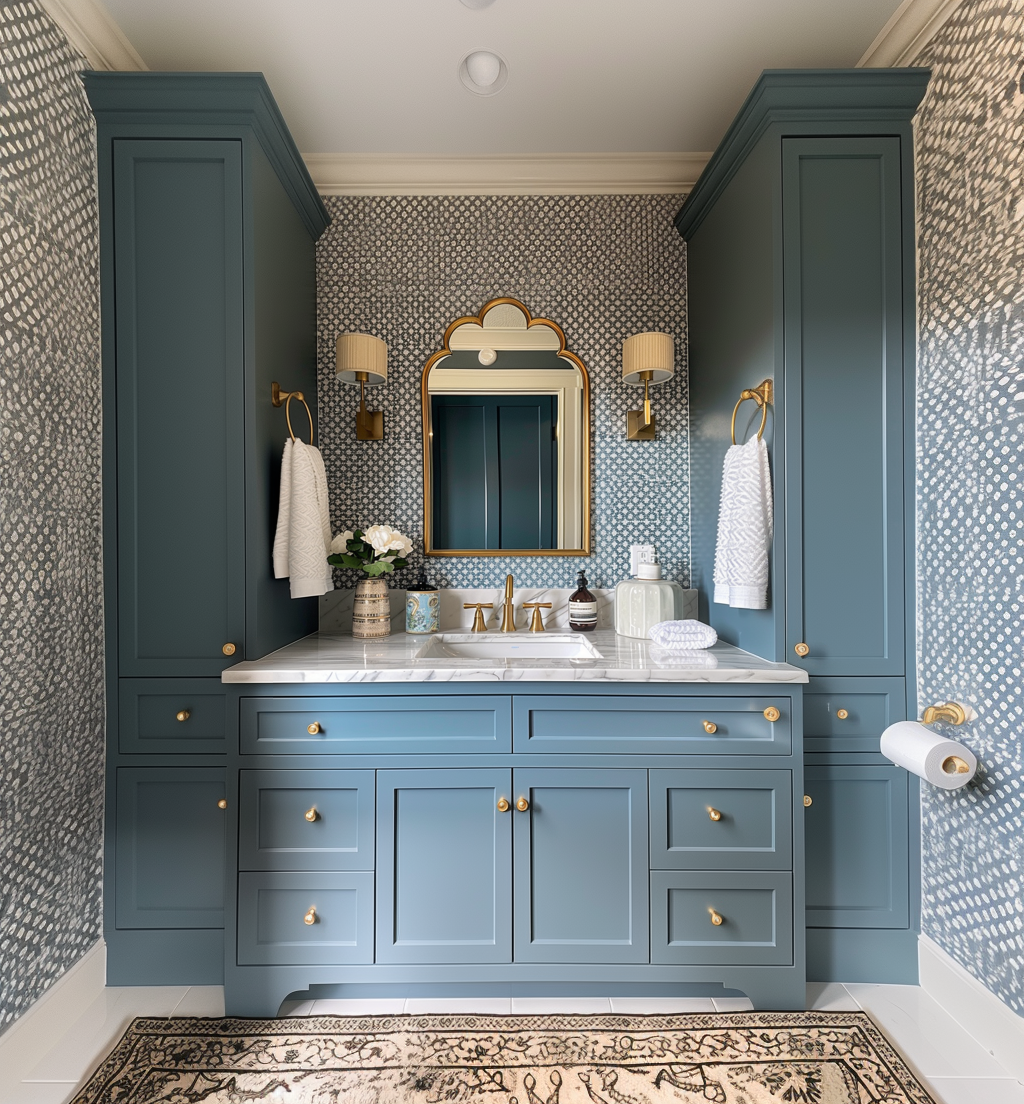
point(808, 801)
point(223, 803)
point(311, 814)
point(842, 714)
point(522, 804)
point(228, 649)
point(801, 649)
point(716, 918)
point(710, 727)
point(314, 728)
point(503, 805)
point(183, 714)
point(772, 714)
point(310, 917)
point(714, 814)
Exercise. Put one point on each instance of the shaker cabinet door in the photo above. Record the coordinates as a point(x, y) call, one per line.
point(844, 329)
point(178, 347)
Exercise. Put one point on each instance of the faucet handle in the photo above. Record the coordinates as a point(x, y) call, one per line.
point(537, 621)
point(479, 625)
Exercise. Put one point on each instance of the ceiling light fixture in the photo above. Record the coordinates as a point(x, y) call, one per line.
point(483, 72)
point(476, 5)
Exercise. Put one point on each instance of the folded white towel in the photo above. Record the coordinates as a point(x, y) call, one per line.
point(683, 657)
point(302, 541)
point(744, 527)
point(682, 635)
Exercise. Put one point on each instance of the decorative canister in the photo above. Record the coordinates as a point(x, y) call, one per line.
point(371, 610)
point(422, 609)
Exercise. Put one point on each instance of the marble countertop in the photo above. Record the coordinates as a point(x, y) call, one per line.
point(326, 657)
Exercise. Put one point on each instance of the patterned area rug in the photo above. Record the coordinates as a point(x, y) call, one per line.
point(736, 1058)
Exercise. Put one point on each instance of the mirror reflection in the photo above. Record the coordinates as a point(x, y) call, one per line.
point(506, 438)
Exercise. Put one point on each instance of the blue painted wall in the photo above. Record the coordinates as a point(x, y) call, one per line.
point(970, 174)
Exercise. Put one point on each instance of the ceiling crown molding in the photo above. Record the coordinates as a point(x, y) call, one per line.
point(912, 26)
point(92, 31)
point(517, 174)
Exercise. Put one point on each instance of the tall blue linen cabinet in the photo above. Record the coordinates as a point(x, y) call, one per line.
point(800, 255)
point(208, 223)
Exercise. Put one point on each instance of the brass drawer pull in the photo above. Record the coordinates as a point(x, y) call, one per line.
point(183, 714)
point(311, 814)
point(716, 918)
point(310, 917)
point(503, 805)
point(801, 649)
point(772, 714)
point(841, 714)
point(808, 801)
point(715, 815)
point(522, 804)
point(710, 727)
point(223, 803)
point(228, 649)
point(314, 729)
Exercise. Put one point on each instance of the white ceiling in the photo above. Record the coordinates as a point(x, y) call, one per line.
point(585, 76)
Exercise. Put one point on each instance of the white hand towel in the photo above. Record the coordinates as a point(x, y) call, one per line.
point(683, 635)
point(303, 540)
point(683, 658)
point(745, 524)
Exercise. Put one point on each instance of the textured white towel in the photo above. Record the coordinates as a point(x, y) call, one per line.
point(683, 657)
point(744, 527)
point(682, 635)
point(302, 541)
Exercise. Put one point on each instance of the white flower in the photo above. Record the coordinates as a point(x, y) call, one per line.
point(339, 545)
point(382, 538)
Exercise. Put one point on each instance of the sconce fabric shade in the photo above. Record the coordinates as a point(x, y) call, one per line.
point(358, 352)
point(648, 352)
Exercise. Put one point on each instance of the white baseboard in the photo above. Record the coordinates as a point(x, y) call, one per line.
point(979, 1012)
point(29, 1039)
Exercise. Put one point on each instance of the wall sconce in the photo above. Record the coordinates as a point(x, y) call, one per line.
point(363, 360)
point(646, 358)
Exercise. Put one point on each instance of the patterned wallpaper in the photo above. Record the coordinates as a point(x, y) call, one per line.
point(970, 179)
point(51, 635)
point(602, 267)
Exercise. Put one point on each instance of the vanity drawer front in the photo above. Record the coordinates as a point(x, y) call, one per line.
point(171, 715)
point(850, 714)
point(756, 908)
point(721, 819)
point(652, 726)
point(273, 909)
point(306, 820)
point(376, 725)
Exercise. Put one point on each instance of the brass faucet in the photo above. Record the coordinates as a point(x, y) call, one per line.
point(508, 617)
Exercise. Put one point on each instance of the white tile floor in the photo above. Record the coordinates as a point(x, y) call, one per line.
point(955, 1068)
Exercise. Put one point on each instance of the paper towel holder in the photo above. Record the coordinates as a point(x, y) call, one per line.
point(952, 713)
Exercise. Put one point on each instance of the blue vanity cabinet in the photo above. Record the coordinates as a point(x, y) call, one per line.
point(800, 263)
point(208, 223)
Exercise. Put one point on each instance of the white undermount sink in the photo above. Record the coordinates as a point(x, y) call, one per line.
point(519, 645)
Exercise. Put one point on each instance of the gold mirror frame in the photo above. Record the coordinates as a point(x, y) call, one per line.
point(445, 351)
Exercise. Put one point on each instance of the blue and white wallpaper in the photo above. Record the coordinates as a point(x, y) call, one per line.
point(51, 593)
point(970, 180)
point(602, 267)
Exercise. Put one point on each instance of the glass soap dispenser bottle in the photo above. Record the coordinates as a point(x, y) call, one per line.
point(582, 607)
point(647, 599)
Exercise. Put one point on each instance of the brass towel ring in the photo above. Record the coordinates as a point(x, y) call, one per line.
point(763, 396)
point(277, 397)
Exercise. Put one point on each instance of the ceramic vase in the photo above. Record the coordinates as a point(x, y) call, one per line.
point(371, 610)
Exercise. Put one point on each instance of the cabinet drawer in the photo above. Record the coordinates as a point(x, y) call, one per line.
point(721, 819)
point(850, 714)
point(273, 909)
point(652, 726)
point(171, 715)
point(306, 820)
point(384, 725)
point(756, 910)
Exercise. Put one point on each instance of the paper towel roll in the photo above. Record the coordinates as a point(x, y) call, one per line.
point(944, 763)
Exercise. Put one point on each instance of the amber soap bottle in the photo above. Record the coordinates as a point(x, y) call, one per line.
point(582, 607)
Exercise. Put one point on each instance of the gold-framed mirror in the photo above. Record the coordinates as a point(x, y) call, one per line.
point(506, 439)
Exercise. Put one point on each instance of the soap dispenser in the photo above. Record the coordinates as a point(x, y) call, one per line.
point(646, 599)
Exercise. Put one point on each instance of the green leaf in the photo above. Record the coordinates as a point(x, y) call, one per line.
point(399, 563)
point(381, 567)
point(340, 559)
